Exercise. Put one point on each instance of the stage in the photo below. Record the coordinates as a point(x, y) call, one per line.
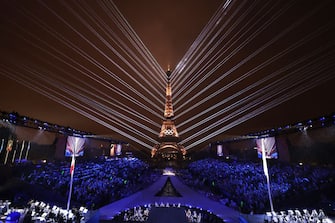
point(188, 197)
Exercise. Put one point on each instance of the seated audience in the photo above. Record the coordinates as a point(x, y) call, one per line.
point(243, 186)
point(95, 183)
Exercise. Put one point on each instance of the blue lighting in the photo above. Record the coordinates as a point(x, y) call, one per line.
point(11, 115)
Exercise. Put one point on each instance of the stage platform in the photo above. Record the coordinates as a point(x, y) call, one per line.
point(189, 197)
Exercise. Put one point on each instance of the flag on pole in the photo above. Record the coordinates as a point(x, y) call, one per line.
point(9, 145)
point(72, 165)
point(266, 173)
point(269, 145)
point(265, 166)
point(74, 147)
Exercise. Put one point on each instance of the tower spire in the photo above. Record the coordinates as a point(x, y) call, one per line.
point(168, 73)
point(168, 111)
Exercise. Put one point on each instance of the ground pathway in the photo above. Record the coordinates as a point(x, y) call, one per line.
point(189, 197)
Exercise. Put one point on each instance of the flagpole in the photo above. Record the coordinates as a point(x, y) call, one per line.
point(2, 143)
point(13, 159)
point(28, 148)
point(71, 182)
point(266, 172)
point(6, 157)
point(17, 144)
point(22, 147)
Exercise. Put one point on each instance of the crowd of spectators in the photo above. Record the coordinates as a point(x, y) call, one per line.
point(95, 183)
point(240, 185)
point(243, 186)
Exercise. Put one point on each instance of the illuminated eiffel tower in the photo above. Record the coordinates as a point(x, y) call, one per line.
point(168, 147)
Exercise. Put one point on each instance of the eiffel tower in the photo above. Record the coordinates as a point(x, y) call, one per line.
point(168, 147)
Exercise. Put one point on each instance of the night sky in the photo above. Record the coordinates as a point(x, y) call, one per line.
point(99, 66)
